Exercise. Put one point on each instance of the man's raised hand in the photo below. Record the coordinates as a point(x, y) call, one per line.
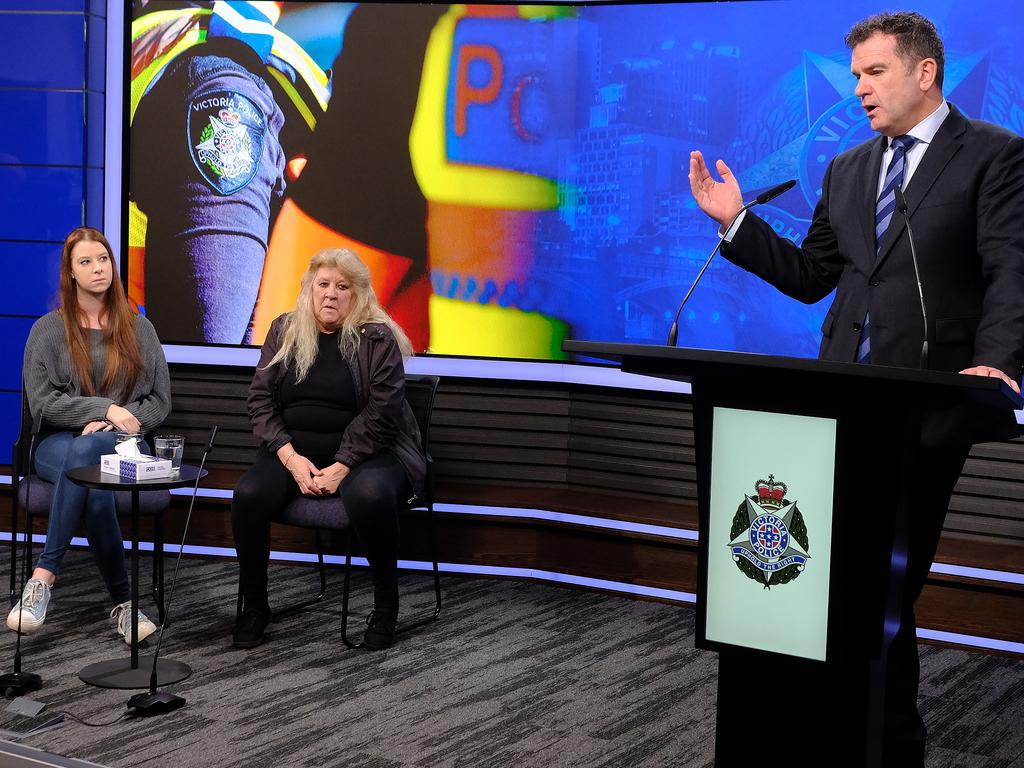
point(721, 200)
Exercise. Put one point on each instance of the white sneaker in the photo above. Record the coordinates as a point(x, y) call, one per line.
point(31, 608)
point(120, 613)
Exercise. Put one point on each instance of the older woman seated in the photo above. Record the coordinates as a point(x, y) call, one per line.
point(327, 403)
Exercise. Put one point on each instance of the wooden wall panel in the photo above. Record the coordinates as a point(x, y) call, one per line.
point(515, 439)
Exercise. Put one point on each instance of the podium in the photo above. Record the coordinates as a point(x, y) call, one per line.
point(804, 488)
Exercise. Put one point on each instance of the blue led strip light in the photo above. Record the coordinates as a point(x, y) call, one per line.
point(460, 367)
point(970, 640)
point(564, 517)
point(985, 574)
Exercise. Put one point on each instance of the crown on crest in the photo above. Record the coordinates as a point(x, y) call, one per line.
point(771, 492)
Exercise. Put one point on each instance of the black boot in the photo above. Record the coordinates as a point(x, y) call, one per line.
point(381, 623)
point(380, 629)
point(252, 624)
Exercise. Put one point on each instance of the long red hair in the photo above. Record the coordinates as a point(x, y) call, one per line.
point(117, 319)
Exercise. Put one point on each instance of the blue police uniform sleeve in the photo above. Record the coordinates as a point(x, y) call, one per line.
point(208, 172)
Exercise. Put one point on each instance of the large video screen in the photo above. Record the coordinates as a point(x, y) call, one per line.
point(513, 175)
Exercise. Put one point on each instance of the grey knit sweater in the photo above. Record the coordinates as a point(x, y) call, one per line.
point(52, 390)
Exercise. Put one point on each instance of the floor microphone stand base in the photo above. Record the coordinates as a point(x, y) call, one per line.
point(20, 683)
point(153, 703)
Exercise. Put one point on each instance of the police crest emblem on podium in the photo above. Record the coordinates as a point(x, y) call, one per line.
point(768, 538)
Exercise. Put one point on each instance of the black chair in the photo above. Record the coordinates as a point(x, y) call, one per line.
point(329, 514)
point(36, 503)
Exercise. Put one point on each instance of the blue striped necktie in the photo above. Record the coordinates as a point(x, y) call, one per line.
point(884, 210)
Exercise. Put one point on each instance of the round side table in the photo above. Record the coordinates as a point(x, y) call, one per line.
point(128, 673)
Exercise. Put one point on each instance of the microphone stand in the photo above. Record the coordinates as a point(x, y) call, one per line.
point(764, 197)
point(18, 683)
point(901, 206)
point(155, 702)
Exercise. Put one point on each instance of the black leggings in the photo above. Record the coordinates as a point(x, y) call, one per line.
point(371, 493)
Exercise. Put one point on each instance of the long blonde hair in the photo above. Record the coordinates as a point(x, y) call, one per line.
point(301, 333)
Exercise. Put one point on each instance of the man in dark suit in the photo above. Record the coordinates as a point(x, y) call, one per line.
point(964, 187)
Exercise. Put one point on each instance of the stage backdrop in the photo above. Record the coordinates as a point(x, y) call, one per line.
point(513, 175)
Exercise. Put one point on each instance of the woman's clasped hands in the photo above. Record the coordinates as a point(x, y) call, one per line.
point(311, 480)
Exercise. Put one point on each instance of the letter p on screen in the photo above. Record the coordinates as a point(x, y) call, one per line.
point(467, 94)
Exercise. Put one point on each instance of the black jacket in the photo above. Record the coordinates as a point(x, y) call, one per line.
point(966, 200)
point(384, 420)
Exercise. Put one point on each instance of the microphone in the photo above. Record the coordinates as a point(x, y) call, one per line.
point(18, 683)
point(771, 194)
point(155, 702)
point(901, 206)
point(761, 199)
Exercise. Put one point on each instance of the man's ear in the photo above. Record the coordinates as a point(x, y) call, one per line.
point(928, 69)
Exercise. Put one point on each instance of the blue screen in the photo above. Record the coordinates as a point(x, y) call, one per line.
point(541, 192)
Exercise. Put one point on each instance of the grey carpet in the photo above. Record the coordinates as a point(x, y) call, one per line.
point(513, 674)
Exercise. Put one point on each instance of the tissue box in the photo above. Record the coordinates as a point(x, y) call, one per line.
point(140, 468)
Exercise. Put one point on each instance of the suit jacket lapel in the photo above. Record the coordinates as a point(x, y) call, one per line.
point(946, 143)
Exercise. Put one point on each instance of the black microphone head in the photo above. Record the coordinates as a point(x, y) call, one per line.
point(774, 192)
point(901, 201)
point(211, 439)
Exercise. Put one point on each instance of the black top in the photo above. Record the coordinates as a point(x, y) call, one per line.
point(318, 409)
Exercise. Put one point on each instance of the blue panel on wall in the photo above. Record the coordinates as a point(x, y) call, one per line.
point(95, 120)
point(94, 197)
point(10, 415)
point(42, 5)
point(96, 38)
point(44, 127)
point(13, 332)
point(39, 203)
point(44, 50)
point(37, 266)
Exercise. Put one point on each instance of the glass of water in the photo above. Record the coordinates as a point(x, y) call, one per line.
point(170, 447)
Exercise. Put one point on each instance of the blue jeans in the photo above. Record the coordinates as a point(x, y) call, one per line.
point(62, 451)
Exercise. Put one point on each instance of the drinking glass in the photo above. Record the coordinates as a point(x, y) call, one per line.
point(170, 447)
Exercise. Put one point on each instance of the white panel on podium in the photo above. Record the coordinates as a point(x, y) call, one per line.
point(770, 533)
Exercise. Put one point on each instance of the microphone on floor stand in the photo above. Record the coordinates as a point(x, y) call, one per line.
point(155, 702)
point(901, 206)
point(761, 199)
point(18, 683)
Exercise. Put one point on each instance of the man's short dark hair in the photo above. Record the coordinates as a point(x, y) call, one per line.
point(916, 37)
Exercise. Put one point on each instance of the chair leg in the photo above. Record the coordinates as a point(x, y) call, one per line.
point(437, 579)
point(278, 615)
point(238, 604)
point(26, 566)
point(14, 543)
point(345, 593)
point(433, 562)
point(14, 563)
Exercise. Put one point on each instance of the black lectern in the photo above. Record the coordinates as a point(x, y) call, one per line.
point(803, 478)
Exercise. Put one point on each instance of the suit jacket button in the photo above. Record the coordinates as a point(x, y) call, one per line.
point(856, 327)
point(875, 283)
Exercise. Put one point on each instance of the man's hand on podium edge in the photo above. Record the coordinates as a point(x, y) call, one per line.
point(721, 200)
point(985, 370)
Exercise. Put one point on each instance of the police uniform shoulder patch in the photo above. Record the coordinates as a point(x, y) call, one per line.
point(768, 540)
point(225, 135)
